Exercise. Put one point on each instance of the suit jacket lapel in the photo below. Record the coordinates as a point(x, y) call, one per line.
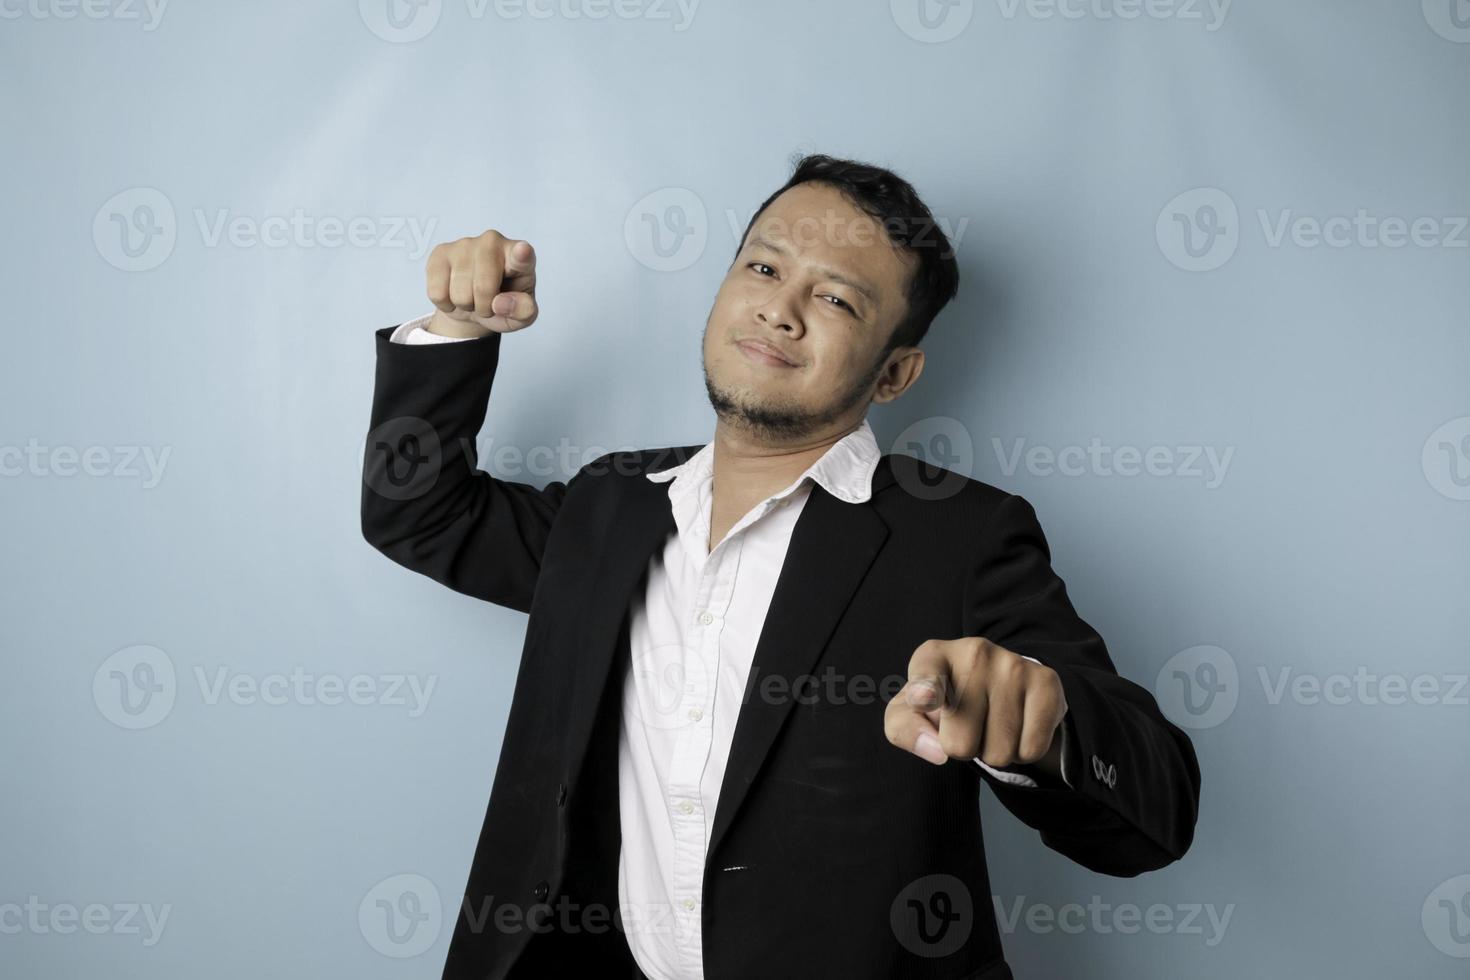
point(642, 522)
point(832, 546)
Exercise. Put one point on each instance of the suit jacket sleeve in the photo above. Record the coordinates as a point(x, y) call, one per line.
point(1135, 793)
point(425, 504)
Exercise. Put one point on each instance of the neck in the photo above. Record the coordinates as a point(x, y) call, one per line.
point(747, 467)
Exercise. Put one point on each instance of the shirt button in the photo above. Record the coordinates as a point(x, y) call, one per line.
point(686, 807)
point(705, 618)
point(688, 904)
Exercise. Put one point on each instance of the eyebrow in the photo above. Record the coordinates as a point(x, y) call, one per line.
point(825, 271)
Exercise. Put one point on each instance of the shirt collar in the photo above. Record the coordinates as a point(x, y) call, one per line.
point(845, 470)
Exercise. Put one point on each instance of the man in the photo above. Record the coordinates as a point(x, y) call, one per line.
point(763, 678)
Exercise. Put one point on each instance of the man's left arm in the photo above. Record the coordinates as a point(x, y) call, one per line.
point(1030, 676)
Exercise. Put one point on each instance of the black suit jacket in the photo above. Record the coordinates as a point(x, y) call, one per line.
point(833, 852)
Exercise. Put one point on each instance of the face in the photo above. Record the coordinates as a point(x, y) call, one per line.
point(793, 347)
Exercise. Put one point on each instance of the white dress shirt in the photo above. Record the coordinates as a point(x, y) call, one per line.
point(693, 634)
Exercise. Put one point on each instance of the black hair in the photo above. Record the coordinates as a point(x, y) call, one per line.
point(893, 202)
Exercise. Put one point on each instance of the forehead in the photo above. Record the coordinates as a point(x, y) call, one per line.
point(817, 225)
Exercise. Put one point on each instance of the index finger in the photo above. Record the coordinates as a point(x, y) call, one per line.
point(520, 267)
point(930, 685)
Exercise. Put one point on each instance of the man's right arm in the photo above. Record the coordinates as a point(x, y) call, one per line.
point(425, 504)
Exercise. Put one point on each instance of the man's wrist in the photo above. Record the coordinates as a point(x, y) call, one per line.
point(446, 326)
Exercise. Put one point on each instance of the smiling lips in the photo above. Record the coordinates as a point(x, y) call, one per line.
point(764, 353)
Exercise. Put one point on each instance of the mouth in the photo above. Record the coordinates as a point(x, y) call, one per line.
point(763, 353)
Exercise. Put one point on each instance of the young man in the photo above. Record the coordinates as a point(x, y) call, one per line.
point(763, 678)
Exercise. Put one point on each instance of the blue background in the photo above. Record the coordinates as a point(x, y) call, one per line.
point(1108, 293)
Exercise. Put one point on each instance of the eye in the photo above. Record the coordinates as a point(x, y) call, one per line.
point(762, 265)
point(842, 303)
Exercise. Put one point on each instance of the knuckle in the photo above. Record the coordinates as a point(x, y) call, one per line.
point(957, 742)
point(997, 759)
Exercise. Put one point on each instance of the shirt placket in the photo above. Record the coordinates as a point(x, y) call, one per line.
point(693, 743)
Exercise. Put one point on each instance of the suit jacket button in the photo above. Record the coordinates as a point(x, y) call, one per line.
point(561, 794)
point(541, 891)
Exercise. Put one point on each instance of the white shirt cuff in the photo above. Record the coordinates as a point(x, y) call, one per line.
point(413, 332)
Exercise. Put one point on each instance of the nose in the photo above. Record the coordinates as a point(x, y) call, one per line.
point(777, 311)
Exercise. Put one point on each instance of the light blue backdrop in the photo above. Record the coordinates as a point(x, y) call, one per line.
point(1212, 324)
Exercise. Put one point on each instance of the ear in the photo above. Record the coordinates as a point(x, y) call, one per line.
point(905, 365)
